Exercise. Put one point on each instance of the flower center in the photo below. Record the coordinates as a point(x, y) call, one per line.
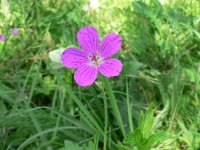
point(95, 59)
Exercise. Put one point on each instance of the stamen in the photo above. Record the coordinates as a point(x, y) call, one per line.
point(95, 59)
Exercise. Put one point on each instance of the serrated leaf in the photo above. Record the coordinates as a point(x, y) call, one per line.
point(55, 55)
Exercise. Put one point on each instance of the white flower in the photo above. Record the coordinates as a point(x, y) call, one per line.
point(94, 4)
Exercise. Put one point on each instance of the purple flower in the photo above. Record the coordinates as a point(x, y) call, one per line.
point(15, 31)
point(2, 37)
point(95, 56)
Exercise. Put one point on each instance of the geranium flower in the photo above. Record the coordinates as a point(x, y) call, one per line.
point(15, 31)
point(94, 56)
point(2, 37)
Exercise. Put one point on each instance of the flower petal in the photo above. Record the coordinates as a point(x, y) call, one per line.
point(88, 39)
point(55, 55)
point(73, 58)
point(110, 68)
point(2, 37)
point(86, 75)
point(111, 44)
point(15, 31)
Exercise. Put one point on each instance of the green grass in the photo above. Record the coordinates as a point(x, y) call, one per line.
point(153, 104)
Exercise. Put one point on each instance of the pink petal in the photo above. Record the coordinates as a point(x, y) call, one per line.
point(2, 37)
point(15, 31)
point(85, 75)
point(110, 68)
point(88, 39)
point(73, 58)
point(111, 44)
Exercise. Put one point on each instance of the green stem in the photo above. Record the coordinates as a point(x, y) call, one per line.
point(114, 105)
point(105, 116)
point(129, 108)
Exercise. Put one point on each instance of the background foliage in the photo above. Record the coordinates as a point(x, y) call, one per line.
point(157, 93)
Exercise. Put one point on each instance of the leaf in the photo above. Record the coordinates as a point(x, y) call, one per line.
point(70, 146)
point(130, 140)
point(7, 94)
point(142, 8)
point(5, 9)
point(146, 122)
point(197, 33)
point(120, 146)
point(189, 74)
point(160, 116)
point(138, 136)
point(72, 17)
point(134, 138)
point(155, 139)
point(3, 109)
point(55, 55)
point(132, 67)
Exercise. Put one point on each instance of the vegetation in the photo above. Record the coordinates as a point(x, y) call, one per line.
point(157, 94)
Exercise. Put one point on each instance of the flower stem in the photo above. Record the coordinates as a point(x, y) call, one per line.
point(129, 108)
point(114, 105)
point(105, 116)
